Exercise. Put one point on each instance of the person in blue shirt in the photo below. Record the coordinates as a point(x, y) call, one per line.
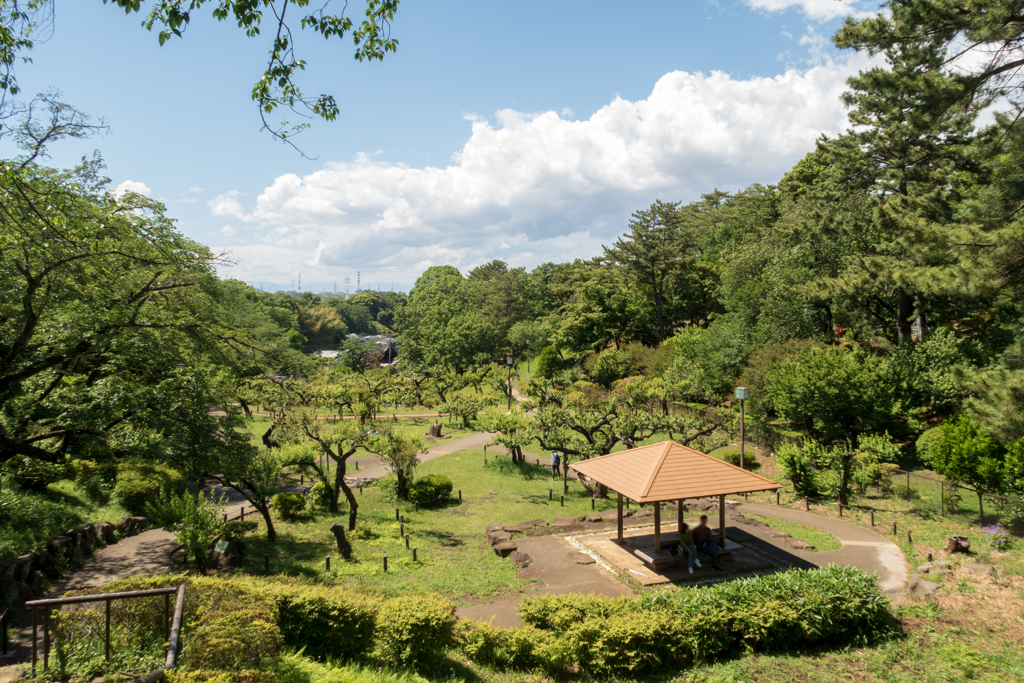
point(555, 458)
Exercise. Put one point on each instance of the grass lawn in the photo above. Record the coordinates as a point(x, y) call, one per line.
point(453, 555)
point(821, 540)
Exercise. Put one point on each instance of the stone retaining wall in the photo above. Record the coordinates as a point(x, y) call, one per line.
point(29, 576)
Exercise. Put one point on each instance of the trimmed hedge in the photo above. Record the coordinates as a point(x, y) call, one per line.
point(414, 629)
point(428, 489)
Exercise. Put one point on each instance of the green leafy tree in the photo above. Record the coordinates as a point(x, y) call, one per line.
point(200, 522)
point(966, 455)
point(399, 453)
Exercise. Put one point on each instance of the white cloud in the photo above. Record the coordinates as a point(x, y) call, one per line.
point(195, 190)
point(228, 231)
point(228, 205)
point(819, 10)
point(131, 186)
point(530, 188)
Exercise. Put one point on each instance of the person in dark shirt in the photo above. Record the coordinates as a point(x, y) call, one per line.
point(686, 542)
point(705, 543)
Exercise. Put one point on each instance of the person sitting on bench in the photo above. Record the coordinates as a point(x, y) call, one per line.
point(686, 542)
point(705, 543)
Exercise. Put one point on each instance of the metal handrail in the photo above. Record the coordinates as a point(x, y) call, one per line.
point(172, 631)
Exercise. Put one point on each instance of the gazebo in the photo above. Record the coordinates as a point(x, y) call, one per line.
point(667, 471)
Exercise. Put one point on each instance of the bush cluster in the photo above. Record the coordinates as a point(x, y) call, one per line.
point(144, 484)
point(288, 504)
point(629, 637)
point(428, 489)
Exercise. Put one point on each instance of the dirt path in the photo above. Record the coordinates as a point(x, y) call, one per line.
point(862, 548)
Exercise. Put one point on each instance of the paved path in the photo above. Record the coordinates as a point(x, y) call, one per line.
point(556, 574)
point(862, 547)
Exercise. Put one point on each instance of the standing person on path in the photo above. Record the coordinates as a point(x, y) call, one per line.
point(554, 464)
point(705, 542)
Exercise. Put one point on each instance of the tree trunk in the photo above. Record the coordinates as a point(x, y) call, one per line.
point(904, 307)
point(403, 488)
point(981, 507)
point(344, 547)
point(264, 511)
point(353, 505)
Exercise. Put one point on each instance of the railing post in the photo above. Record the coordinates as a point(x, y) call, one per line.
point(807, 504)
point(777, 498)
point(3, 625)
point(840, 509)
point(106, 636)
point(35, 640)
point(872, 518)
point(167, 617)
point(908, 485)
point(46, 638)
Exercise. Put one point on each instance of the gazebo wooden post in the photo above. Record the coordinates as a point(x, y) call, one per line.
point(721, 519)
point(620, 518)
point(657, 527)
point(679, 524)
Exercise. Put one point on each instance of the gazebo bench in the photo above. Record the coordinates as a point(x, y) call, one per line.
point(653, 558)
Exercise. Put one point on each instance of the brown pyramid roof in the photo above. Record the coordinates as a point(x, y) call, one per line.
point(669, 471)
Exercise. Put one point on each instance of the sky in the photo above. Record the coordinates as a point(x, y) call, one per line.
point(527, 132)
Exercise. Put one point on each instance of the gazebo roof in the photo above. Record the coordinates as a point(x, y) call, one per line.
point(669, 471)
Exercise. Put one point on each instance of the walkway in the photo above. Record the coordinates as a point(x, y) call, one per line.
point(862, 548)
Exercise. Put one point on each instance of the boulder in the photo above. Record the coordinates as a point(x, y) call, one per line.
point(934, 568)
point(124, 527)
point(90, 534)
point(644, 512)
point(107, 533)
point(899, 598)
point(233, 555)
point(983, 569)
point(957, 544)
point(775, 533)
point(751, 522)
point(593, 518)
point(519, 528)
point(611, 515)
point(505, 548)
point(797, 544)
point(522, 560)
point(920, 586)
point(140, 523)
point(22, 568)
point(563, 522)
point(492, 527)
point(73, 534)
point(61, 546)
point(537, 522)
point(496, 537)
point(38, 581)
point(581, 558)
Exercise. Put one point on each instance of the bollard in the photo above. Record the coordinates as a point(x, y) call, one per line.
point(407, 541)
point(385, 563)
point(563, 501)
point(414, 554)
point(241, 514)
point(551, 494)
point(357, 465)
point(894, 528)
point(397, 515)
point(402, 519)
point(417, 507)
point(872, 518)
point(592, 504)
point(910, 539)
point(460, 495)
point(302, 480)
point(840, 509)
point(266, 563)
point(807, 504)
point(327, 563)
point(776, 497)
point(929, 557)
point(401, 531)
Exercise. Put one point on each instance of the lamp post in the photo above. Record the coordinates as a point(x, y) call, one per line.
point(742, 393)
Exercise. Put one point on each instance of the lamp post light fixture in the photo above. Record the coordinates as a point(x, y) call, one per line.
point(742, 393)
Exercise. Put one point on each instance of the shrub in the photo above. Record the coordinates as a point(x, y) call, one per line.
point(427, 489)
point(549, 363)
point(319, 496)
point(386, 487)
point(199, 523)
point(289, 504)
point(244, 637)
point(142, 484)
point(926, 442)
point(412, 628)
point(613, 365)
point(35, 475)
point(236, 529)
point(28, 521)
point(136, 495)
point(514, 648)
point(750, 462)
point(324, 620)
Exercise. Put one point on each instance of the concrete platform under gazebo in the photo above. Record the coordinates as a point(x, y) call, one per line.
point(666, 472)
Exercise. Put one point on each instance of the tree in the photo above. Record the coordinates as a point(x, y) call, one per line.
point(512, 429)
point(253, 472)
point(399, 453)
point(338, 443)
point(966, 455)
point(277, 86)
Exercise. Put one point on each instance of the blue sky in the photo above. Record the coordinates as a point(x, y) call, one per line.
point(525, 131)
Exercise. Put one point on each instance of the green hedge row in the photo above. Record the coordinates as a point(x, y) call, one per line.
point(244, 623)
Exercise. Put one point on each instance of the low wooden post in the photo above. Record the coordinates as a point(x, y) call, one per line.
point(401, 530)
point(657, 527)
point(551, 494)
point(414, 554)
point(840, 509)
point(872, 518)
point(241, 514)
point(777, 498)
point(620, 518)
point(563, 501)
point(929, 557)
point(407, 541)
point(460, 495)
point(266, 563)
point(593, 504)
point(908, 485)
point(910, 539)
point(807, 504)
point(397, 515)
point(894, 528)
point(327, 563)
point(721, 519)
point(385, 564)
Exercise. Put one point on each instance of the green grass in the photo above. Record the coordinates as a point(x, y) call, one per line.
point(821, 540)
point(28, 519)
point(453, 555)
